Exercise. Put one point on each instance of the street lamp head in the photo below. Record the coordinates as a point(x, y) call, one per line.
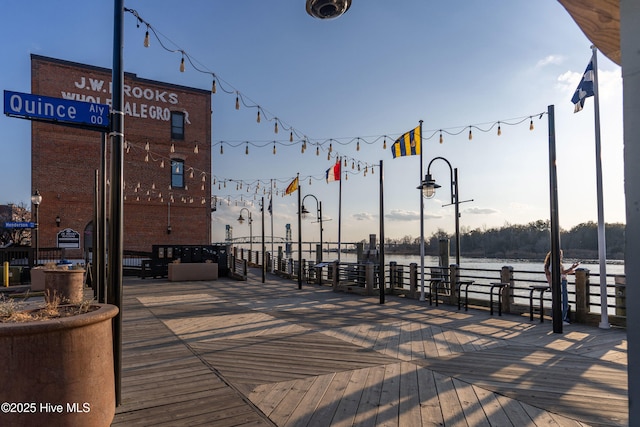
point(428, 186)
point(241, 219)
point(304, 212)
point(327, 9)
point(36, 199)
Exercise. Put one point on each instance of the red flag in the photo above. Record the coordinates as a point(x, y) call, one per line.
point(333, 173)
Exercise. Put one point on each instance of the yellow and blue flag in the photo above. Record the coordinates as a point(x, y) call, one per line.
point(409, 144)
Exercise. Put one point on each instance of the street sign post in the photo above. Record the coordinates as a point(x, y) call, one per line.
point(86, 115)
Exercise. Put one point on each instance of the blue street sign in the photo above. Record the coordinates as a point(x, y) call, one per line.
point(19, 224)
point(56, 110)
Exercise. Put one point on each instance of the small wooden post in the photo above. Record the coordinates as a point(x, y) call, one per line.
point(582, 294)
point(506, 276)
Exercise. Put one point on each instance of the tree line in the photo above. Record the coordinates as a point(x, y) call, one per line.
point(529, 241)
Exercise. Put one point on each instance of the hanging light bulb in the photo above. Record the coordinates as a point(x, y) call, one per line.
point(330, 147)
point(275, 127)
point(470, 134)
point(328, 156)
point(191, 174)
point(317, 151)
point(302, 149)
point(213, 86)
point(162, 164)
point(499, 130)
point(358, 166)
point(345, 162)
point(346, 177)
point(182, 64)
point(146, 158)
point(146, 38)
point(172, 149)
point(246, 149)
point(353, 165)
point(258, 119)
point(195, 149)
point(274, 148)
point(221, 149)
point(291, 136)
point(531, 124)
point(358, 145)
point(384, 143)
point(372, 169)
point(237, 101)
point(441, 140)
point(146, 146)
point(309, 180)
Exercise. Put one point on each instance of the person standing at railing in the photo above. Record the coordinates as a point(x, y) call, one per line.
point(563, 283)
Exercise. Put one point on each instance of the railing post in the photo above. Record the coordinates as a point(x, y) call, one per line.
point(506, 276)
point(413, 279)
point(334, 275)
point(369, 278)
point(392, 275)
point(582, 294)
point(454, 278)
point(621, 295)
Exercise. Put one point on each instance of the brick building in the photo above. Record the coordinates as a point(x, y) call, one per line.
point(167, 160)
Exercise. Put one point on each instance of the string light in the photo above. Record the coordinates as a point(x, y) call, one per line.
point(258, 119)
point(441, 139)
point(146, 38)
point(531, 124)
point(213, 86)
point(237, 102)
point(274, 148)
point(384, 143)
point(182, 64)
point(275, 126)
point(499, 129)
point(470, 134)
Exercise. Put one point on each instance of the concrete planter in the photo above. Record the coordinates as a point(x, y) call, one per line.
point(37, 279)
point(59, 372)
point(68, 284)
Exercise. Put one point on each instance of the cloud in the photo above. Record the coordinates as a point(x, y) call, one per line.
point(363, 216)
point(550, 59)
point(480, 211)
point(403, 215)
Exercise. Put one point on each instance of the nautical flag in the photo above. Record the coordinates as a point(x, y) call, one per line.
point(333, 173)
point(408, 144)
point(292, 187)
point(584, 89)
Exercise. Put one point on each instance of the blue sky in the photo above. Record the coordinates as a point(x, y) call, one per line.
point(375, 71)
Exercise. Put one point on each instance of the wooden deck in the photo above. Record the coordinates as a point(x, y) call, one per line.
point(229, 353)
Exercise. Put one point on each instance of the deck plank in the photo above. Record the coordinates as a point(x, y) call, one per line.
point(245, 353)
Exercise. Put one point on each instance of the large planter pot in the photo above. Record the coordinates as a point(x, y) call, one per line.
point(67, 284)
point(58, 372)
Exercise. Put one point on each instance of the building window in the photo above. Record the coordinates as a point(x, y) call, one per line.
point(177, 125)
point(177, 173)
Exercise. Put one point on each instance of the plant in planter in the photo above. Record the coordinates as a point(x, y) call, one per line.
point(57, 363)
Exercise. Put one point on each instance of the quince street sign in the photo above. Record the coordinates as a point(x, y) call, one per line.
point(85, 115)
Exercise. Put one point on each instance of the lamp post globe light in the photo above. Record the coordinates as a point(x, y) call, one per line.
point(241, 221)
point(429, 186)
point(36, 199)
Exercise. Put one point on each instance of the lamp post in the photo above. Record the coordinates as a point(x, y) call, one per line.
point(36, 199)
point(429, 187)
point(241, 220)
point(305, 212)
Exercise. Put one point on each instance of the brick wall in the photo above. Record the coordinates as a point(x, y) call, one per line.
point(65, 159)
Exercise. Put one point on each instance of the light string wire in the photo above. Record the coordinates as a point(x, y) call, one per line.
point(301, 138)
